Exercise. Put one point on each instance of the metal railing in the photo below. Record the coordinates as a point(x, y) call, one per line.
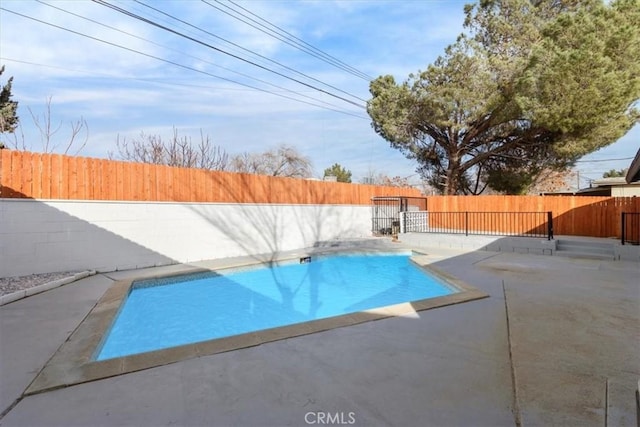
point(630, 228)
point(527, 224)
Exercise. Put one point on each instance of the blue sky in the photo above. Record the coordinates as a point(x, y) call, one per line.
point(119, 92)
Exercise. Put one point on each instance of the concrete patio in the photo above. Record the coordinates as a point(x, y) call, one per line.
point(561, 349)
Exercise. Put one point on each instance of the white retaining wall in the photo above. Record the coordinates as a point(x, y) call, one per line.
point(41, 236)
point(523, 245)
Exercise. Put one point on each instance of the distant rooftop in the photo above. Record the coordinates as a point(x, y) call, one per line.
point(603, 182)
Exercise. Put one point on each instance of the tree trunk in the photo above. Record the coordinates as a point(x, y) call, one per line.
point(453, 176)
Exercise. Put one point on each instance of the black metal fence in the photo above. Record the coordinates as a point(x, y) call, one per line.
point(630, 228)
point(528, 224)
point(385, 218)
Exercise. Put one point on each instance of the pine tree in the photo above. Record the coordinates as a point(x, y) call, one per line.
point(8, 108)
point(341, 174)
point(532, 86)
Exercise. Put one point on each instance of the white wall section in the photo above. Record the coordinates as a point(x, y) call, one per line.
point(42, 236)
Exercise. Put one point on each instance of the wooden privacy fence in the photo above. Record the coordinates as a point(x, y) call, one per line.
point(53, 176)
point(572, 215)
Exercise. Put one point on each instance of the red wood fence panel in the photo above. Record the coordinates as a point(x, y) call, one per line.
point(572, 215)
point(53, 176)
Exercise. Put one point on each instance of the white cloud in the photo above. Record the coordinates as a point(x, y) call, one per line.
point(37, 42)
point(120, 92)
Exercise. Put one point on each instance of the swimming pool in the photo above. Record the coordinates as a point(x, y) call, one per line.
point(159, 314)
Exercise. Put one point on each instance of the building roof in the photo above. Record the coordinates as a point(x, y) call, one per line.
point(604, 182)
point(633, 174)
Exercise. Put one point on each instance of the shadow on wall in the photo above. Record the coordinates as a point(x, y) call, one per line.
point(263, 230)
point(37, 237)
point(264, 226)
point(46, 236)
point(152, 206)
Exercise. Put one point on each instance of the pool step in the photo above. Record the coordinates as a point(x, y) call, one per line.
point(585, 249)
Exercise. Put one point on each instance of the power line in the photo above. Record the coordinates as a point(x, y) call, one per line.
point(319, 51)
point(288, 38)
point(176, 63)
point(95, 74)
point(166, 83)
point(603, 160)
point(150, 22)
point(188, 55)
point(587, 178)
point(303, 45)
point(185, 28)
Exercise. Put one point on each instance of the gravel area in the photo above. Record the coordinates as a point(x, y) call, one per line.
point(9, 285)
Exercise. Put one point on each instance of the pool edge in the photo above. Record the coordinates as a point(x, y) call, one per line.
point(73, 362)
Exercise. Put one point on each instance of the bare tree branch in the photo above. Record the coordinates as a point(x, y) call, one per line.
point(76, 128)
point(177, 151)
point(282, 161)
point(44, 123)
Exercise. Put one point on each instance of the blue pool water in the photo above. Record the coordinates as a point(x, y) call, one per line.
point(171, 312)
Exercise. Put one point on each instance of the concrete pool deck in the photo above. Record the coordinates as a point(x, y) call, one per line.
point(561, 349)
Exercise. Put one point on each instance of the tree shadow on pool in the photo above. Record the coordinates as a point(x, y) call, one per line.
point(257, 227)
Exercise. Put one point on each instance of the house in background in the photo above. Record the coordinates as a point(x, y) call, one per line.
point(624, 186)
point(611, 187)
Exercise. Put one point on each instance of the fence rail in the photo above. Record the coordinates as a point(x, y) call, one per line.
point(528, 224)
point(572, 215)
point(52, 176)
point(630, 223)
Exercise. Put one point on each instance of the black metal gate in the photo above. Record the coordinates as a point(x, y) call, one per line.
point(630, 228)
point(385, 213)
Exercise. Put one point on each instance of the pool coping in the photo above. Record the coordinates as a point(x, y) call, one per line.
point(73, 362)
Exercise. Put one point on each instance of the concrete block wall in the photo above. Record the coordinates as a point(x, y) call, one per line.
point(524, 245)
point(41, 236)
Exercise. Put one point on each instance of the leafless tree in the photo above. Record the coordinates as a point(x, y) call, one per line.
point(552, 181)
point(48, 131)
point(281, 161)
point(177, 151)
point(378, 178)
